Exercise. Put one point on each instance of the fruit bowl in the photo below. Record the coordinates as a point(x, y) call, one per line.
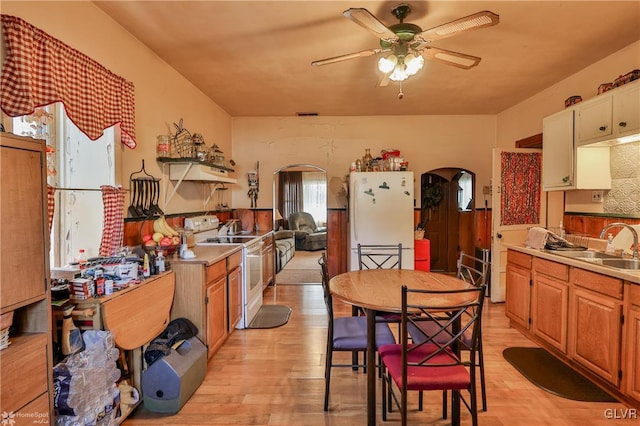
point(166, 250)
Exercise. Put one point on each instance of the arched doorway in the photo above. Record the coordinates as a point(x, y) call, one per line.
point(448, 215)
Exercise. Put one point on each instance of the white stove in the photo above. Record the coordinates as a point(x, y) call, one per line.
point(206, 232)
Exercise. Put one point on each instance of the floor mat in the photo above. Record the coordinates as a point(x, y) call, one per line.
point(299, 276)
point(271, 316)
point(549, 373)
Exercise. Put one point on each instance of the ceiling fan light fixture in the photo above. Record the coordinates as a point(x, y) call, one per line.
point(386, 65)
point(414, 63)
point(399, 73)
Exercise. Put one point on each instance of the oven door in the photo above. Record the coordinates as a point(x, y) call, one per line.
point(252, 292)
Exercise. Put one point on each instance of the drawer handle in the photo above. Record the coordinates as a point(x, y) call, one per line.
point(602, 128)
point(622, 124)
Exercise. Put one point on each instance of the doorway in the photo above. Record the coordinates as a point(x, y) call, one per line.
point(448, 215)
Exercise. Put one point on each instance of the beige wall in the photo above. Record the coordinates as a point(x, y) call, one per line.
point(162, 95)
point(332, 143)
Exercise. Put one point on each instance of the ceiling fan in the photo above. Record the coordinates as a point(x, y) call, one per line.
point(409, 44)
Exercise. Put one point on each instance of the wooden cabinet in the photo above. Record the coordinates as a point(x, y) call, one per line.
point(595, 323)
point(268, 261)
point(550, 302)
point(201, 297)
point(234, 284)
point(610, 115)
point(631, 355)
point(518, 291)
point(566, 166)
point(24, 279)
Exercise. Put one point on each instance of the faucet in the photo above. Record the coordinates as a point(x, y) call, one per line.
point(630, 228)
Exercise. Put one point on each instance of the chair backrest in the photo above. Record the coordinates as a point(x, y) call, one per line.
point(452, 315)
point(380, 256)
point(328, 300)
point(302, 221)
point(473, 270)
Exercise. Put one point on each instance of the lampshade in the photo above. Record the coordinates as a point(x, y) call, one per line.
point(278, 215)
point(401, 67)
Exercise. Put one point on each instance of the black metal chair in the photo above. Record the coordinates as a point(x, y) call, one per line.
point(346, 334)
point(380, 256)
point(434, 363)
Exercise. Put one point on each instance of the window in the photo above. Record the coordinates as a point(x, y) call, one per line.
point(77, 167)
point(314, 199)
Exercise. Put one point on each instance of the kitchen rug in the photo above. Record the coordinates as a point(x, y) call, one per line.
point(271, 316)
point(299, 276)
point(552, 375)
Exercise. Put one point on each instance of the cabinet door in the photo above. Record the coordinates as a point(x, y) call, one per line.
point(594, 119)
point(558, 151)
point(23, 226)
point(632, 343)
point(235, 297)
point(518, 297)
point(549, 310)
point(267, 265)
point(626, 110)
point(216, 302)
point(595, 332)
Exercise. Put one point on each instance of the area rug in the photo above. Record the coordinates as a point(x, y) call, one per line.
point(552, 375)
point(304, 260)
point(271, 316)
point(299, 276)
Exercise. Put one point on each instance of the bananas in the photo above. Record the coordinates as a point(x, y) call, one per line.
point(160, 225)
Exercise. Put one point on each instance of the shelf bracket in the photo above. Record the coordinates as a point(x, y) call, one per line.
point(167, 199)
point(211, 192)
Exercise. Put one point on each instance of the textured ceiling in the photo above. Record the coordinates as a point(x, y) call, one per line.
point(253, 58)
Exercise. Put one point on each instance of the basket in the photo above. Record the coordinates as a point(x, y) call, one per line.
point(166, 250)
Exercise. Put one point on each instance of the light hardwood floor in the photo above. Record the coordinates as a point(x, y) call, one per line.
point(275, 377)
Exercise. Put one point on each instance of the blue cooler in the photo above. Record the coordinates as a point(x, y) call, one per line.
point(169, 382)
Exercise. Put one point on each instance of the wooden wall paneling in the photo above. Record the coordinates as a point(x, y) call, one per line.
point(337, 241)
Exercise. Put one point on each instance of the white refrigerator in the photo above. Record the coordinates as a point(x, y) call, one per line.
point(381, 212)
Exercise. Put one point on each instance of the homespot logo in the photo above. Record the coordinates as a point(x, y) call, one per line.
point(10, 418)
point(621, 413)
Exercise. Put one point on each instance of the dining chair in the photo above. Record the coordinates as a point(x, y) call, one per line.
point(346, 334)
point(434, 363)
point(380, 256)
point(474, 271)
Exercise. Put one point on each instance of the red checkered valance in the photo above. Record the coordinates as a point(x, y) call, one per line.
point(40, 70)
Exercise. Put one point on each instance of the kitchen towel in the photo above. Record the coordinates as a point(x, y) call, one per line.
point(536, 238)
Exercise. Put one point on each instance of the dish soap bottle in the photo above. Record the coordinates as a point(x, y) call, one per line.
point(610, 248)
point(366, 160)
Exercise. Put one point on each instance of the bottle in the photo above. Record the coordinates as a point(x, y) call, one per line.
point(366, 160)
point(610, 248)
point(159, 263)
point(162, 146)
point(561, 230)
point(145, 266)
point(80, 259)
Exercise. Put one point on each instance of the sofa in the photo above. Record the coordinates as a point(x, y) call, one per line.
point(285, 248)
point(308, 235)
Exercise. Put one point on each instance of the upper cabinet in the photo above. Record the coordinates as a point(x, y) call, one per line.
point(566, 166)
point(609, 116)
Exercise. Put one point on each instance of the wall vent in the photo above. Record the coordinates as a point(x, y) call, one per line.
point(306, 114)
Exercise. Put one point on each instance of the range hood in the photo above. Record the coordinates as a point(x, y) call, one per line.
point(199, 172)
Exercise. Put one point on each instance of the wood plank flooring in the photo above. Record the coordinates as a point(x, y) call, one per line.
point(276, 377)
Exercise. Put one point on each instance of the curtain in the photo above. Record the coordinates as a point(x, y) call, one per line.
point(521, 188)
point(51, 204)
point(40, 70)
point(113, 227)
point(290, 196)
point(314, 188)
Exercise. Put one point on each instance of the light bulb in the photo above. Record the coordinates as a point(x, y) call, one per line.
point(386, 64)
point(399, 73)
point(414, 63)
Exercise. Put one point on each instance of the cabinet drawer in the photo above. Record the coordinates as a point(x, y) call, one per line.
point(599, 283)
point(553, 269)
point(634, 294)
point(519, 259)
point(216, 270)
point(36, 412)
point(23, 371)
point(234, 261)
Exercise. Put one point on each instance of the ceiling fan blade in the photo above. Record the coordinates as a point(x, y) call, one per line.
point(448, 57)
point(468, 23)
point(341, 58)
point(365, 19)
point(383, 81)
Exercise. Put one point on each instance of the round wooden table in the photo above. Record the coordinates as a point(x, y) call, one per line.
point(381, 290)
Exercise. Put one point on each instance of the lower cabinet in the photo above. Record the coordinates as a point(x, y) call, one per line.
point(595, 323)
point(550, 302)
point(216, 312)
point(518, 291)
point(632, 341)
point(268, 264)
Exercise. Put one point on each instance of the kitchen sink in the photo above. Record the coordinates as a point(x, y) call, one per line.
point(584, 254)
point(622, 263)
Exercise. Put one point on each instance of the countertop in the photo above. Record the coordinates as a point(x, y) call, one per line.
point(208, 255)
point(629, 275)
